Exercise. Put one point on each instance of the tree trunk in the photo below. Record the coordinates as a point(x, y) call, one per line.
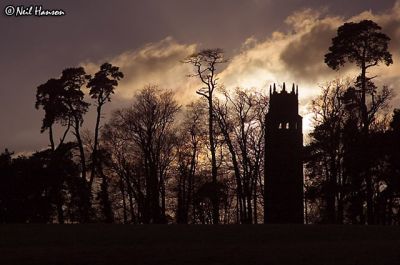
point(95, 145)
point(121, 186)
point(162, 217)
point(88, 196)
point(60, 213)
point(81, 150)
point(331, 192)
point(190, 182)
point(365, 129)
point(105, 200)
point(214, 173)
point(51, 138)
point(255, 212)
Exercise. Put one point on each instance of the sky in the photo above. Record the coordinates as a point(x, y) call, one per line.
point(265, 41)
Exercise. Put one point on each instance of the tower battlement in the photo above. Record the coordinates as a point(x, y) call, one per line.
point(294, 91)
point(283, 110)
point(284, 99)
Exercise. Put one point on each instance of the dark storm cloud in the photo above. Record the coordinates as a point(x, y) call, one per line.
point(36, 49)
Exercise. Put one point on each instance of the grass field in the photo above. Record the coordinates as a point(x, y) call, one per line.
point(173, 244)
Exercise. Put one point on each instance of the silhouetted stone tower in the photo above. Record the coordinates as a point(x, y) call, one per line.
point(283, 177)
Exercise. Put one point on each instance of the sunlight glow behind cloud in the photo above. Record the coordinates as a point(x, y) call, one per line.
point(293, 56)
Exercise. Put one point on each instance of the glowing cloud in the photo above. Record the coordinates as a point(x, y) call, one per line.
point(154, 64)
point(295, 55)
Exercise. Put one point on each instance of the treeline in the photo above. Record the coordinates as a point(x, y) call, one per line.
point(353, 165)
point(153, 166)
point(149, 163)
point(352, 177)
point(158, 162)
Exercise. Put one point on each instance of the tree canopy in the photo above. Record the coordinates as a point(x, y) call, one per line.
point(362, 43)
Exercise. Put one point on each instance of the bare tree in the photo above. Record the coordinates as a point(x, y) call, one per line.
point(241, 119)
point(338, 155)
point(147, 127)
point(325, 161)
point(205, 68)
point(189, 147)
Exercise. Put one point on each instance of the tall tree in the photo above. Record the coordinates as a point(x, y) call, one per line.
point(102, 85)
point(72, 80)
point(205, 65)
point(364, 44)
point(63, 102)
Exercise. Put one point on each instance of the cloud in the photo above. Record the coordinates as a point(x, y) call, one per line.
point(156, 63)
point(303, 55)
point(297, 54)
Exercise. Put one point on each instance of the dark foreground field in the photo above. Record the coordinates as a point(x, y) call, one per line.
point(125, 244)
